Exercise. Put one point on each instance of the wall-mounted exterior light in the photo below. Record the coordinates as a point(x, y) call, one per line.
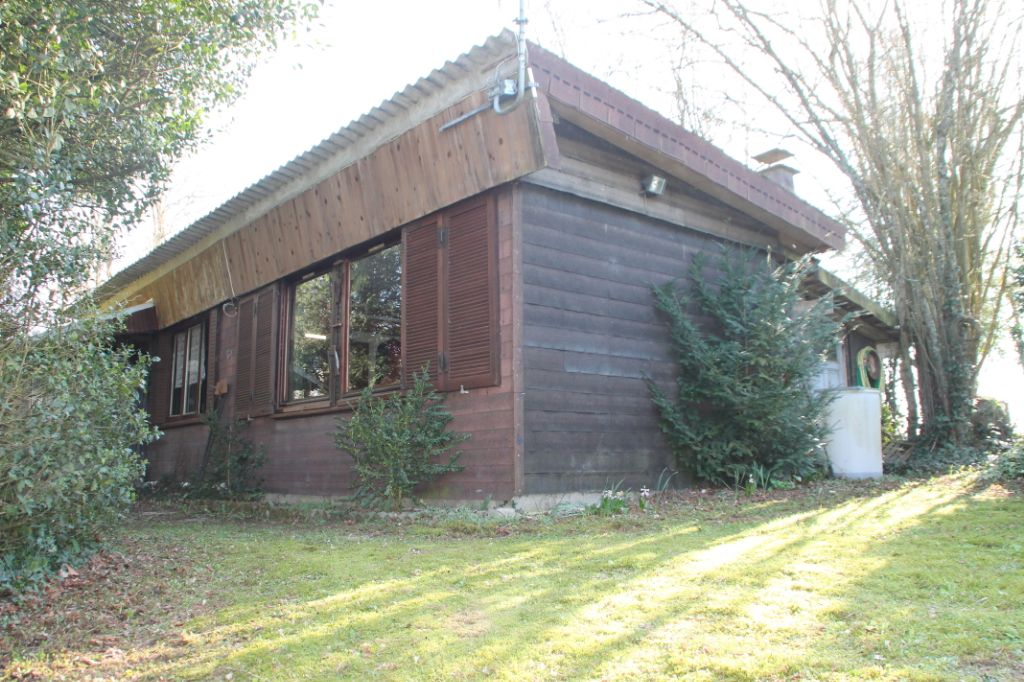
point(653, 185)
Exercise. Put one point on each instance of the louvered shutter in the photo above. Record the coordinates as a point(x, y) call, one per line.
point(257, 341)
point(421, 324)
point(264, 352)
point(159, 389)
point(471, 296)
point(244, 358)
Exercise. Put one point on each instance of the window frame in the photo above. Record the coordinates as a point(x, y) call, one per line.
point(185, 331)
point(340, 272)
point(449, 372)
point(344, 311)
point(287, 347)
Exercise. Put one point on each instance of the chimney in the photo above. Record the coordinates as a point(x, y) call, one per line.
point(774, 170)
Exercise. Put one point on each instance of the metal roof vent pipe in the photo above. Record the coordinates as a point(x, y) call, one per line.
point(776, 171)
point(517, 88)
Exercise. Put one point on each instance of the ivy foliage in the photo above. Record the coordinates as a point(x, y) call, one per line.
point(398, 441)
point(97, 100)
point(231, 462)
point(748, 349)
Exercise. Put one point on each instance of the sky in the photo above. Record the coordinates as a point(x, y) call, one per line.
point(360, 53)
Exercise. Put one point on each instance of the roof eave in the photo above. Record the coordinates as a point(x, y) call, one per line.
point(417, 102)
point(610, 114)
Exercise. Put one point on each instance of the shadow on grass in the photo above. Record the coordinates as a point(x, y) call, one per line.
point(886, 586)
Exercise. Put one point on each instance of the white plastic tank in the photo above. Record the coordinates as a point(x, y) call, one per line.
point(855, 445)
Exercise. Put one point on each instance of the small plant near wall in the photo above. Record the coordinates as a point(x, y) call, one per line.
point(744, 412)
point(613, 502)
point(399, 441)
point(230, 464)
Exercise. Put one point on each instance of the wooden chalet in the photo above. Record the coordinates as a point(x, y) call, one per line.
point(514, 254)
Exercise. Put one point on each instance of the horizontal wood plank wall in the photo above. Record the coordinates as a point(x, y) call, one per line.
point(591, 334)
point(301, 456)
point(413, 175)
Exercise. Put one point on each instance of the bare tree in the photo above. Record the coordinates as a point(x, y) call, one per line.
point(927, 129)
point(1017, 299)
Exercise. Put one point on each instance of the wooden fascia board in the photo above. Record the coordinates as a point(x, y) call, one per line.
point(542, 125)
point(524, 137)
point(806, 237)
point(417, 114)
point(872, 309)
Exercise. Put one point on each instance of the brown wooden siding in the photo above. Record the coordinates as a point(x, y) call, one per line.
point(591, 335)
point(177, 454)
point(593, 105)
point(418, 172)
point(301, 456)
point(593, 168)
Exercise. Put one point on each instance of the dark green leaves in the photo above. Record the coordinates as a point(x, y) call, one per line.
point(69, 429)
point(399, 441)
point(743, 400)
point(97, 100)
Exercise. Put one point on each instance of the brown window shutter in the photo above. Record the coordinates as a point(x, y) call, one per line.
point(211, 358)
point(244, 358)
point(264, 352)
point(421, 277)
point(159, 390)
point(471, 296)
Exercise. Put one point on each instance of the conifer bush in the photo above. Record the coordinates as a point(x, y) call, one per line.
point(748, 350)
point(398, 441)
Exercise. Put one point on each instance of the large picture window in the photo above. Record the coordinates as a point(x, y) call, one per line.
point(429, 302)
point(188, 371)
point(345, 328)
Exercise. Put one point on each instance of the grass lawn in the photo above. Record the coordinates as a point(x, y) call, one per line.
point(839, 581)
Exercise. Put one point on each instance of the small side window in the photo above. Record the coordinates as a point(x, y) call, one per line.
point(312, 346)
point(188, 371)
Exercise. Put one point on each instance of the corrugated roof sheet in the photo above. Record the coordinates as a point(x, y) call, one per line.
point(318, 155)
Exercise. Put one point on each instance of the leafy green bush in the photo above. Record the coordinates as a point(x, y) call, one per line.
point(1008, 464)
point(70, 422)
point(744, 406)
point(397, 441)
point(231, 462)
point(991, 422)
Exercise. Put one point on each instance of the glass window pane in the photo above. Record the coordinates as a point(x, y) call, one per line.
point(310, 366)
point(375, 320)
point(193, 373)
point(177, 373)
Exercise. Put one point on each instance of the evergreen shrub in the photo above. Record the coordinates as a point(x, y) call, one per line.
point(398, 441)
point(748, 348)
point(70, 427)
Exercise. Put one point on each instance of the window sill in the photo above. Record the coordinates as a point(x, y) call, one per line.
point(344, 404)
point(175, 422)
point(293, 411)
